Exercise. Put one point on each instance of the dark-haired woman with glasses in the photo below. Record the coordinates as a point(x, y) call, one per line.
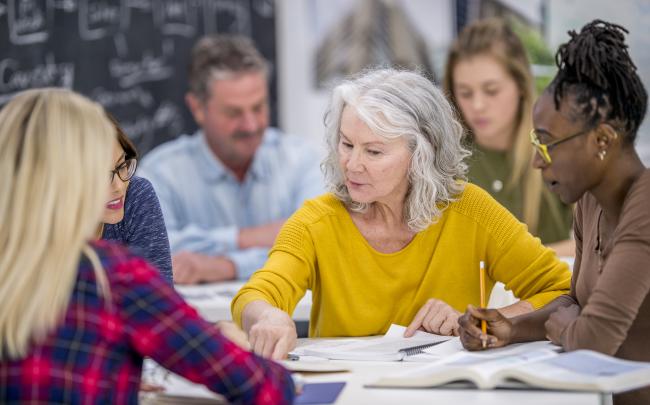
point(132, 215)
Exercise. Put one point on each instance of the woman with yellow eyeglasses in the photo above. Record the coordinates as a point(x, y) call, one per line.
point(544, 148)
point(586, 123)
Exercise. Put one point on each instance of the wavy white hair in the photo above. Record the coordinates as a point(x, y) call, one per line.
point(396, 103)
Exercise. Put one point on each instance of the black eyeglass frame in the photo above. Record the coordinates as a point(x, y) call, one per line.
point(125, 164)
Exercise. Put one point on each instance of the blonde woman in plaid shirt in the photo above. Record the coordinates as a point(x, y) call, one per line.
point(77, 318)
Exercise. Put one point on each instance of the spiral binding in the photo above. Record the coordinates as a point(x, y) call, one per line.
point(410, 351)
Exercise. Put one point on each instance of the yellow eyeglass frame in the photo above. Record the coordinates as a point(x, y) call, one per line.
point(544, 148)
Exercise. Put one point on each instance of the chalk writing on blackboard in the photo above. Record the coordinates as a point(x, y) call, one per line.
point(129, 55)
point(28, 21)
point(15, 77)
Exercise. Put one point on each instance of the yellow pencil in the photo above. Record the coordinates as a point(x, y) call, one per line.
point(483, 303)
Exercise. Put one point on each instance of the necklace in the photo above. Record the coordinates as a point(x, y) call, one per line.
point(599, 242)
point(492, 167)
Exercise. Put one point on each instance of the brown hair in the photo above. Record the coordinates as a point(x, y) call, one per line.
point(216, 56)
point(127, 145)
point(495, 38)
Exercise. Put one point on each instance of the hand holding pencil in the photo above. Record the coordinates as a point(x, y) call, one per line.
point(475, 322)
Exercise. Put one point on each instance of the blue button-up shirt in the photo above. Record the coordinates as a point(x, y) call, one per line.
point(204, 205)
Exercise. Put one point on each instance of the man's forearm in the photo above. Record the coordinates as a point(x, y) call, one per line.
point(225, 268)
point(259, 236)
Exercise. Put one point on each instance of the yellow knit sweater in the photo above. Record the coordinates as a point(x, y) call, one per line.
point(358, 291)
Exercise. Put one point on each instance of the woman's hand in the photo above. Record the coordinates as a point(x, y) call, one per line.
point(231, 331)
point(559, 320)
point(499, 328)
point(435, 316)
point(273, 335)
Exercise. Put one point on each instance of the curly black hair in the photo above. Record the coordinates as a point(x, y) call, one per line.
point(595, 66)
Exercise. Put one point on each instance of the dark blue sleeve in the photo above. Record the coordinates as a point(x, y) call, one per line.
point(143, 227)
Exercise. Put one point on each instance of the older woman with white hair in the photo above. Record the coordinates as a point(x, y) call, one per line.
point(400, 236)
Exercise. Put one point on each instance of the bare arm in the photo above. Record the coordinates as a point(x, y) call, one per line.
point(530, 326)
point(438, 317)
point(193, 268)
point(518, 308)
point(564, 248)
point(259, 236)
point(502, 330)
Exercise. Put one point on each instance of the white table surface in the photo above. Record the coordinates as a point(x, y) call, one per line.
point(362, 373)
point(213, 300)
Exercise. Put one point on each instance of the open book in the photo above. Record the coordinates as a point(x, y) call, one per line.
point(581, 370)
point(393, 346)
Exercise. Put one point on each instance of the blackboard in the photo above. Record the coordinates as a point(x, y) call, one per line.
point(129, 55)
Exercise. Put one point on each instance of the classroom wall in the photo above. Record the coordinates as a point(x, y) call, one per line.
point(300, 27)
point(564, 15)
point(302, 24)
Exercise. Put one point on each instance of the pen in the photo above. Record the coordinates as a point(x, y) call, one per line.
point(481, 276)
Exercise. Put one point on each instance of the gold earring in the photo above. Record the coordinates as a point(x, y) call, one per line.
point(602, 154)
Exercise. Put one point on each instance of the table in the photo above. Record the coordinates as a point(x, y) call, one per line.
point(362, 373)
point(365, 372)
point(212, 301)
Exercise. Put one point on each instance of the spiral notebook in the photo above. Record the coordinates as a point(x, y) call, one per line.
point(392, 346)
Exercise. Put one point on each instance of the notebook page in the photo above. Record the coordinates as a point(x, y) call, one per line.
point(454, 346)
point(386, 347)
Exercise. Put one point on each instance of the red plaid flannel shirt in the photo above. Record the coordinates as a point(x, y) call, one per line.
point(95, 354)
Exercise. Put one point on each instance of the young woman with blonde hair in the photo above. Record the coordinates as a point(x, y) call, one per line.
point(488, 79)
point(77, 317)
